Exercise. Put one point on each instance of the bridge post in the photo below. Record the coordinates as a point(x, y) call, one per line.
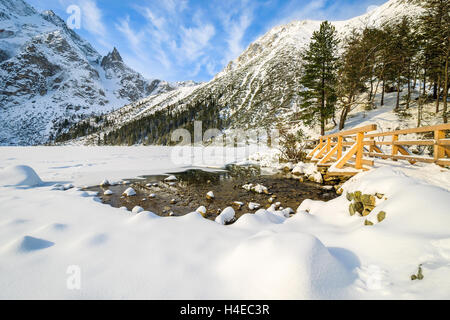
point(359, 150)
point(439, 151)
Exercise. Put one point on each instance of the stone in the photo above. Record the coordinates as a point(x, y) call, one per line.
point(379, 195)
point(349, 196)
point(129, 192)
point(368, 223)
point(381, 216)
point(202, 211)
point(171, 178)
point(358, 207)
point(152, 195)
point(173, 201)
point(108, 193)
point(368, 200)
point(339, 191)
point(137, 209)
point(351, 209)
point(366, 212)
point(253, 205)
point(105, 183)
point(210, 195)
point(357, 196)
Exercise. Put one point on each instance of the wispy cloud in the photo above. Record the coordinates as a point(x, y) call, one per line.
point(92, 17)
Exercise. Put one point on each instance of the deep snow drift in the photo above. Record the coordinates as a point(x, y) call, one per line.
point(321, 252)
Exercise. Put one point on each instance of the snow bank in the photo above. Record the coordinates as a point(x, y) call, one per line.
point(284, 266)
point(320, 252)
point(23, 176)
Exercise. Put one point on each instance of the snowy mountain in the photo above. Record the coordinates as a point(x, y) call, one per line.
point(51, 78)
point(262, 83)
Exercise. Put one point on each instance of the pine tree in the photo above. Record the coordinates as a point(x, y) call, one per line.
point(353, 73)
point(436, 29)
point(319, 77)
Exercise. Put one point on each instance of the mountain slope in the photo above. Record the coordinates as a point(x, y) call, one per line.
point(261, 85)
point(51, 78)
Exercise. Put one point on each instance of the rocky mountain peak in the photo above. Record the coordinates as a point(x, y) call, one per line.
point(111, 58)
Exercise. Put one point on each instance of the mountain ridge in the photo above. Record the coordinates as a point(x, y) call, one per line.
point(51, 78)
point(262, 83)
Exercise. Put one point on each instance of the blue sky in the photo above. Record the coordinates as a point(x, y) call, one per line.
point(190, 39)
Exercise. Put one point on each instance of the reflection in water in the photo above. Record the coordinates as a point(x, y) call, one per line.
point(188, 192)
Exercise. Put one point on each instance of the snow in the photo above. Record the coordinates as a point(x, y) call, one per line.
point(129, 192)
point(137, 209)
point(19, 176)
point(108, 193)
point(253, 205)
point(227, 215)
point(201, 210)
point(321, 252)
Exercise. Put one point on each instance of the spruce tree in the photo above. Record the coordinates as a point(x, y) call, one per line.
point(319, 77)
point(436, 29)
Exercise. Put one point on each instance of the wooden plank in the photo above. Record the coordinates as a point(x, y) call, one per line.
point(370, 127)
point(439, 127)
point(366, 162)
point(328, 155)
point(311, 154)
point(443, 162)
point(359, 150)
point(321, 152)
point(399, 157)
point(394, 147)
point(342, 173)
point(346, 156)
point(339, 147)
point(439, 151)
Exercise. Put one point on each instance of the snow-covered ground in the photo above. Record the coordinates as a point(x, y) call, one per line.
point(50, 239)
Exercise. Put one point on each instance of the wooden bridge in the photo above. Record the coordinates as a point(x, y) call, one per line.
point(357, 147)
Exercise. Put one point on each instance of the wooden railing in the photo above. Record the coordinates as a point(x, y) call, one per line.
point(349, 148)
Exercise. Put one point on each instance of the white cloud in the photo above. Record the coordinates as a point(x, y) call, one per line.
point(92, 17)
point(194, 40)
point(236, 31)
point(133, 37)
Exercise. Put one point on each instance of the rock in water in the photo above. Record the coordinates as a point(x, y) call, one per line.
point(226, 216)
point(129, 192)
point(253, 206)
point(108, 193)
point(202, 211)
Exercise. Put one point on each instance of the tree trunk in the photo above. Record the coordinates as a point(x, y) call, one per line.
point(382, 94)
point(444, 111)
point(408, 97)
point(371, 89)
point(397, 103)
point(344, 114)
point(424, 81)
point(434, 90)
point(438, 87)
